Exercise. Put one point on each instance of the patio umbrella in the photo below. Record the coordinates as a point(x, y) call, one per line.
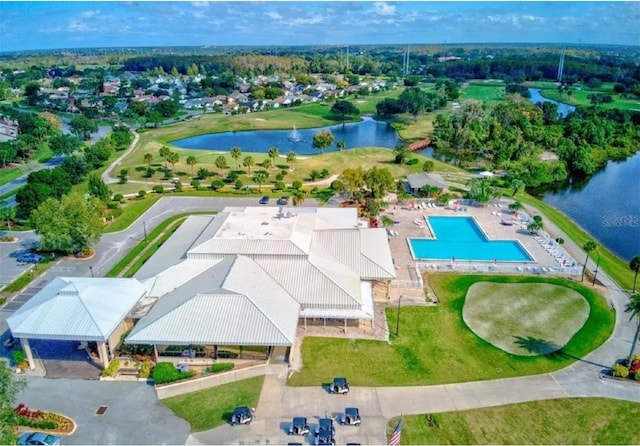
point(486, 174)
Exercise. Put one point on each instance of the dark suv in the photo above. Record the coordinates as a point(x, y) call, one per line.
point(283, 201)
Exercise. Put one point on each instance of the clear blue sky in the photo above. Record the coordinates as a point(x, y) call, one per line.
point(47, 25)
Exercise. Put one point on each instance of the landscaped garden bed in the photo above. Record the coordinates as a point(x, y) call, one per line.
point(44, 421)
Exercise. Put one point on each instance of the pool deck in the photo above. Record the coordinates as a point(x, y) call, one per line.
point(547, 259)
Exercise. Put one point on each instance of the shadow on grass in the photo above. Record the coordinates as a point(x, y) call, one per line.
point(550, 350)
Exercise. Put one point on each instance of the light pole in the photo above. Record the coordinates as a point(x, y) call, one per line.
point(144, 227)
point(595, 273)
point(398, 319)
point(91, 269)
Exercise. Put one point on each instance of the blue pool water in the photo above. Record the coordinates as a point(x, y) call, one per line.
point(461, 238)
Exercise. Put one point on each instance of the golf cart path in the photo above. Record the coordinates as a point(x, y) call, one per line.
point(278, 403)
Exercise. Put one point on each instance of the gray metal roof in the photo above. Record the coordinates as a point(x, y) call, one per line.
point(76, 309)
point(233, 302)
point(418, 180)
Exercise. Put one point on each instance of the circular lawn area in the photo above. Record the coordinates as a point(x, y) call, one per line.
point(524, 319)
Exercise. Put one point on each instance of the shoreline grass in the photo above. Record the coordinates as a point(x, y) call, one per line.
point(434, 342)
point(557, 421)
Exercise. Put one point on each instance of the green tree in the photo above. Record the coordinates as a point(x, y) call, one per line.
point(344, 109)
point(83, 127)
point(517, 185)
point(248, 162)
point(8, 215)
point(291, 158)
point(297, 198)
point(379, 181)
point(192, 161)
point(8, 153)
point(322, 140)
point(164, 154)
point(273, 154)
point(148, 158)
point(70, 224)
point(173, 158)
point(428, 166)
point(98, 188)
point(236, 153)
point(634, 265)
point(588, 247)
point(633, 307)
point(32, 93)
point(481, 190)
point(266, 163)
point(260, 177)
point(8, 417)
point(221, 163)
point(341, 145)
point(64, 144)
point(123, 176)
point(353, 180)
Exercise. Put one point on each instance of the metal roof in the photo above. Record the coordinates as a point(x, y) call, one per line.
point(235, 302)
point(419, 180)
point(76, 309)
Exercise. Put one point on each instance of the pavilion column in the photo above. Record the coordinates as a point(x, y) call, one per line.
point(27, 350)
point(155, 353)
point(102, 353)
point(345, 325)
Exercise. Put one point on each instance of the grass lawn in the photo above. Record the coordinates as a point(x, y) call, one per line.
point(435, 346)
point(562, 421)
point(8, 174)
point(209, 408)
point(613, 265)
point(581, 92)
point(486, 92)
point(524, 318)
point(131, 211)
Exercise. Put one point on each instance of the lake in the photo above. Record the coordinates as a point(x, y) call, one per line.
point(563, 109)
point(366, 133)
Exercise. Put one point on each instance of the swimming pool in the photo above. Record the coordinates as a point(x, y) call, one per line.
point(462, 239)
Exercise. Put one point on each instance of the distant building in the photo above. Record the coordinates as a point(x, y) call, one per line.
point(8, 128)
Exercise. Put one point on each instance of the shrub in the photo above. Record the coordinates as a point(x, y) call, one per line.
point(166, 372)
point(428, 166)
point(279, 185)
point(149, 173)
point(142, 193)
point(220, 367)
point(118, 197)
point(324, 173)
point(239, 185)
point(279, 177)
point(337, 186)
point(113, 205)
point(36, 424)
point(158, 188)
point(145, 370)
point(195, 184)
point(167, 174)
point(412, 161)
point(314, 175)
point(178, 187)
point(112, 368)
point(620, 371)
point(18, 356)
point(203, 173)
point(297, 184)
point(560, 240)
point(217, 184)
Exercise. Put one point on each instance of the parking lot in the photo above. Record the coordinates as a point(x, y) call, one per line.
point(10, 268)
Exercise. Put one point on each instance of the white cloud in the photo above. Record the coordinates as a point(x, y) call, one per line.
point(274, 15)
point(200, 4)
point(382, 8)
point(77, 26)
point(89, 14)
point(313, 20)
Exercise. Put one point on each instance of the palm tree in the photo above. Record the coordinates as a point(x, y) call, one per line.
point(297, 198)
point(164, 153)
point(633, 307)
point(192, 161)
point(248, 162)
point(291, 158)
point(148, 158)
point(221, 163)
point(341, 145)
point(260, 178)
point(267, 163)
point(517, 185)
point(173, 158)
point(8, 214)
point(634, 264)
point(236, 153)
point(273, 154)
point(588, 247)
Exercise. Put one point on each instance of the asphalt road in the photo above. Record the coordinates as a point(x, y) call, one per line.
point(10, 269)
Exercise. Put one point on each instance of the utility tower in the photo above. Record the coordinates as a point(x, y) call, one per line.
point(561, 66)
point(405, 66)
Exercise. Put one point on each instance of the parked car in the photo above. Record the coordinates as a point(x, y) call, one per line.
point(351, 416)
point(40, 438)
point(299, 426)
point(28, 257)
point(264, 200)
point(283, 201)
point(340, 385)
point(241, 415)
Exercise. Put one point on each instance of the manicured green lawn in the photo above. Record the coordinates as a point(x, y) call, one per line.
point(485, 92)
point(436, 347)
point(132, 210)
point(9, 174)
point(563, 421)
point(524, 318)
point(209, 408)
point(580, 95)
